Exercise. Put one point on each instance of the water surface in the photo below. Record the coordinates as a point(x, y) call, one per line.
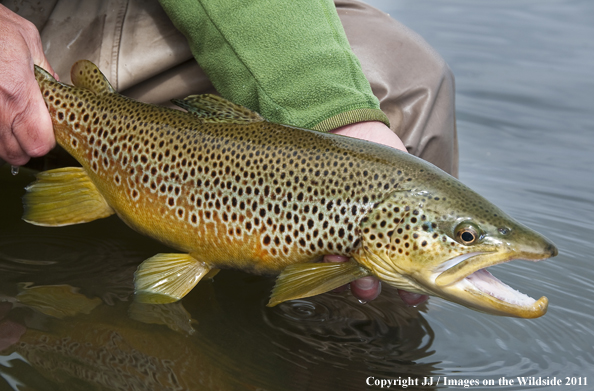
point(525, 82)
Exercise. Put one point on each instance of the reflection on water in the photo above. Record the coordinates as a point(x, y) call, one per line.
point(524, 77)
point(223, 328)
point(89, 335)
point(386, 334)
point(313, 343)
point(108, 351)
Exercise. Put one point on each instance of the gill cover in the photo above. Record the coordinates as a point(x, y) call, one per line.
point(419, 242)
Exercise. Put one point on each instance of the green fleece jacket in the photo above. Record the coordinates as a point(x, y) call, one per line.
point(289, 60)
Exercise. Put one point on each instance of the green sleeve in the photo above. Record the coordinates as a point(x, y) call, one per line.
point(288, 60)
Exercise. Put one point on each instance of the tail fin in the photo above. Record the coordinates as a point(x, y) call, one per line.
point(42, 74)
point(64, 196)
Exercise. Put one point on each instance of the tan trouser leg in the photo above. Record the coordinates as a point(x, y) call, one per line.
point(413, 83)
point(146, 58)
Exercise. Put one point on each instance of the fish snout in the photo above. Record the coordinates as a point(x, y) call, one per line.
point(546, 249)
point(531, 245)
point(551, 249)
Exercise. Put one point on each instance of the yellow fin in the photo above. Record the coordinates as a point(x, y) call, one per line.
point(85, 74)
point(42, 74)
point(58, 301)
point(166, 278)
point(64, 196)
point(212, 108)
point(172, 315)
point(310, 279)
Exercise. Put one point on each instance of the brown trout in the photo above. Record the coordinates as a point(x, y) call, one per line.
point(229, 189)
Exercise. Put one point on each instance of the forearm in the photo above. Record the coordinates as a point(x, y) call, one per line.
point(288, 60)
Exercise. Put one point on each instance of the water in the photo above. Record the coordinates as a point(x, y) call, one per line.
point(525, 82)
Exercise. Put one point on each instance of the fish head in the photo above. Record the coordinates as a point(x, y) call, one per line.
point(439, 239)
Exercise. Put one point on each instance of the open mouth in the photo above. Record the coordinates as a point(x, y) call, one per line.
point(490, 285)
point(477, 288)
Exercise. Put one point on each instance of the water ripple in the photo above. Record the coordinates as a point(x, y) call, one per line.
point(101, 265)
point(382, 334)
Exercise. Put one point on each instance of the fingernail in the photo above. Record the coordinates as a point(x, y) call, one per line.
point(365, 283)
point(335, 258)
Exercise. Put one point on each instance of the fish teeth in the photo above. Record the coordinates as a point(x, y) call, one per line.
point(484, 281)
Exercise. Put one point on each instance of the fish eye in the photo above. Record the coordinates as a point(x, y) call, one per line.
point(467, 236)
point(467, 233)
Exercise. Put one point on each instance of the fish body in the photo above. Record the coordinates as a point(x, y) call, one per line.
point(232, 190)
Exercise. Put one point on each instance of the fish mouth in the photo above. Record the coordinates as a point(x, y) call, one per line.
point(465, 280)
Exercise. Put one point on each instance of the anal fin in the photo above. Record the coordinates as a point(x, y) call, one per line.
point(64, 196)
point(166, 278)
point(172, 315)
point(310, 279)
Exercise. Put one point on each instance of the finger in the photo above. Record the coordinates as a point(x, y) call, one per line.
point(10, 333)
point(412, 299)
point(366, 288)
point(32, 125)
point(335, 258)
point(10, 150)
point(25, 125)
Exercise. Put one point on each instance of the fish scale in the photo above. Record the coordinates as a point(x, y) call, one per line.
point(265, 194)
point(232, 190)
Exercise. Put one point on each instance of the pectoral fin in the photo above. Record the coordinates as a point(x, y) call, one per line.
point(166, 278)
point(64, 196)
point(310, 279)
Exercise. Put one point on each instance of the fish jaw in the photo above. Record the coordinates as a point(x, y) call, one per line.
point(465, 279)
point(435, 263)
point(481, 291)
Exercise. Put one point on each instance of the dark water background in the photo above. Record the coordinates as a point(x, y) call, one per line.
point(525, 108)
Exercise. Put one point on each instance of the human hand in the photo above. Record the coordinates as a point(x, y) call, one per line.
point(10, 331)
point(368, 288)
point(25, 125)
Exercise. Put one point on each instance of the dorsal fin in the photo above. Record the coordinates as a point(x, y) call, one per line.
point(85, 74)
point(212, 108)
